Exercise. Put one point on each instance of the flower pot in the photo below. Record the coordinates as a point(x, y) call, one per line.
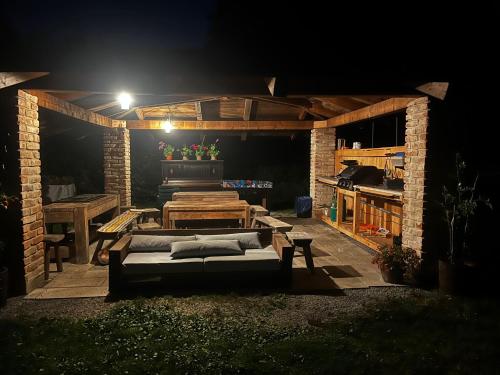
point(450, 277)
point(212, 157)
point(169, 157)
point(4, 282)
point(392, 276)
point(185, 158)
point(198, 157)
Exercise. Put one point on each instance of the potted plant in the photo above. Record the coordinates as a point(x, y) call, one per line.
point(168, 150)
point(199, 150)
point(186, 152)
point(459, 205)
point(213, 151)
point(398, 264)
point(390, 261)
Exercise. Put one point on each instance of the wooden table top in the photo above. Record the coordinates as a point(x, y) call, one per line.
point(201, 205)
point(71, 205)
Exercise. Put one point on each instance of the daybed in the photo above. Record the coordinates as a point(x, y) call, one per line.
point(185, 255)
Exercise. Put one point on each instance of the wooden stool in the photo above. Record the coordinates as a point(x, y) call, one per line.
point(277, 225)
point(303, 240)
point(257, 211)
point(52, 240)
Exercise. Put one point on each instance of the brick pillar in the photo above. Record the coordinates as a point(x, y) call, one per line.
point(31, 189)
point(117, 164)
point(322, 164)
point(417, 120)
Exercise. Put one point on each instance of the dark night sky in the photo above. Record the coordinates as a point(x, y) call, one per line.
point(248, 37)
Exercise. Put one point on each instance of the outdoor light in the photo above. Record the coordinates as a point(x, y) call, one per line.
point(125, 99)
point(167, 126)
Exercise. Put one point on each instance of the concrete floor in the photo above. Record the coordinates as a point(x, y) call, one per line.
point(340, 263)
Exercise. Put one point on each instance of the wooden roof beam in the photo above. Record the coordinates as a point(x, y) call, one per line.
point(104, 106)
point(13, 78)
point(222, 125)
point(247, 110)
point(48, 101)
point(434, 89)
point(375, 110)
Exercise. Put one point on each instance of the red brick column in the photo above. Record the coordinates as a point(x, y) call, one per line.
point(117, 164)
point(31, 189)
point(322, 164)
point(417, 120)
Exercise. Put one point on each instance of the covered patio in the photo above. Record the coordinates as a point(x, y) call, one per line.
point(244, 105)
point(340, 263)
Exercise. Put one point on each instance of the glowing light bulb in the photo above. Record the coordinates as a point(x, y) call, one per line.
point(125, 99)
point(167, 126)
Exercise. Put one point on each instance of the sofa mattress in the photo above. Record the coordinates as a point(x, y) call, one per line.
point(253, 260)
point(159, 263)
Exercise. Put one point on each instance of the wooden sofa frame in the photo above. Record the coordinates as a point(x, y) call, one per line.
point(119, 251)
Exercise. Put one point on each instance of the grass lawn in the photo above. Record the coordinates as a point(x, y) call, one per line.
point(419, 334)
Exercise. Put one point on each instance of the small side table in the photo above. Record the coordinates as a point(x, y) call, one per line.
point(303, 240)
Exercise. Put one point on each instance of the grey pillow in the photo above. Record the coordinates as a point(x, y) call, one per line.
point(247, 240)
point(196, 249)
point(155, 243)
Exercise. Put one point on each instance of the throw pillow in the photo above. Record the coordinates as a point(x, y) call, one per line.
point(196, 249)
point(247, 240)
point(155, 243)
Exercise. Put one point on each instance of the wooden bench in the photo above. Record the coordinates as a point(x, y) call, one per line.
point(205, 195)
point(277, 225)
point(113, 230)
point(257, 211)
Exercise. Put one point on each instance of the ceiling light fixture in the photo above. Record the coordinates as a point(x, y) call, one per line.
point(125, 99)
point(167, 125)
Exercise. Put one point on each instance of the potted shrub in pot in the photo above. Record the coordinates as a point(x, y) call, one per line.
point(390, 261)
point(459, 205)
point(398, 264)
point(213, 150)
point(168, 150)
point(186, 152)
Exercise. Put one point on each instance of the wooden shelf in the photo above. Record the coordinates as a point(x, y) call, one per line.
point(370, 242)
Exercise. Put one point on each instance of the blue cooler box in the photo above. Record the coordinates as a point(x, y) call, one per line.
point(303, 206)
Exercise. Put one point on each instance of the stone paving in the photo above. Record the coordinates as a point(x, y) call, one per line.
point(340, 263)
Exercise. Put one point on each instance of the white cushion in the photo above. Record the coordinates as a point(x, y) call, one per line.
point(143, 263)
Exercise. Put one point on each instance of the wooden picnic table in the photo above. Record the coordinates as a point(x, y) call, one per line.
point(205, 195)
point(79, 213)
point(205, 210)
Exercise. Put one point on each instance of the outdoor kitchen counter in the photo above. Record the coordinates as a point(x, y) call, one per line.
point(380, 191)
point(79, 213)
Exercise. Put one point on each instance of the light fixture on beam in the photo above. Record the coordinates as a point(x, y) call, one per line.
point(124, 99)
point(167, 125)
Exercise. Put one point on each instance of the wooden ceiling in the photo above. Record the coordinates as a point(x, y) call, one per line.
point(220, 108)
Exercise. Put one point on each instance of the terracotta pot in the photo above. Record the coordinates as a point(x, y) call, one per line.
point(169, 157)
point(392, 276)
point(185, 158)
point(450, 277)
point(212, 157)
point(198, 157)
point(4, 282)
